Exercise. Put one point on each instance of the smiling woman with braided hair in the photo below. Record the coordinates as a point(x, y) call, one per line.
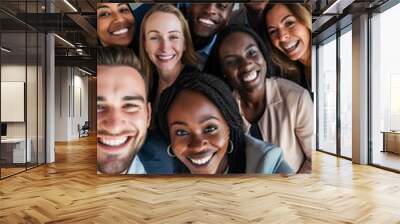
point(201, 120)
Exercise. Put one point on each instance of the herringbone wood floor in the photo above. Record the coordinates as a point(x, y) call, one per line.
point(69, 191)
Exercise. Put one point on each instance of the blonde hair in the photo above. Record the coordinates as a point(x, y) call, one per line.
point(189, 55)
point(289, 68)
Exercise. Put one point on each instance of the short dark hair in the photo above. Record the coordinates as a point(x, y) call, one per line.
point(120, 56)
point(213, 65)
point(218, 93)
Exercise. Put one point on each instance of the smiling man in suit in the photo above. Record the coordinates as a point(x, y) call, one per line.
point(123, 116)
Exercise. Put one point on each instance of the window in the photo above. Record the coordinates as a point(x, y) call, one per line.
point(327, 96)
point(346, 75)
point(385, 88)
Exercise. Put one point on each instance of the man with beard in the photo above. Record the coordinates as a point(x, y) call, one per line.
point(123, 115)
point(205, 21)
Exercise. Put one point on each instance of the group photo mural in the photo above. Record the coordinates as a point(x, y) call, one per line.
point(204, 88)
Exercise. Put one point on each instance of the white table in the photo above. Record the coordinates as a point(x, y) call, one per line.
point(18, 149)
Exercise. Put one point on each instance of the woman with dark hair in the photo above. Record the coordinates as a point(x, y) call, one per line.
point(201, 120)
point(275, 110)
point(115, 24)
point(288, 34)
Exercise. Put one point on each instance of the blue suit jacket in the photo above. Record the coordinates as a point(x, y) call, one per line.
point(153, 154)
point(265, 158)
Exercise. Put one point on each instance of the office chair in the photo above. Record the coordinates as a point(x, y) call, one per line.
point(84, 130)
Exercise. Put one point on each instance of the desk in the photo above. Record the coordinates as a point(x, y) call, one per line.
point(16, 148)
point(391, 141)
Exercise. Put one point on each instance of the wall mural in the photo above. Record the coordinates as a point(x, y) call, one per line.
point(211, 88)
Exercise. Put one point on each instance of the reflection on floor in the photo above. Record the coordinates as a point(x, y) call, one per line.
point(346, 152)
point(10, 169)
point(386, 159)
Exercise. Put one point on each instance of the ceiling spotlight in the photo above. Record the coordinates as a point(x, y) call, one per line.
point(79, 51)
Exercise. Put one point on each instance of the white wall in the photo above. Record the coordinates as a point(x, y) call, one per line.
point(61, 104)
point(79, 117)
point(16, 73)
point(69, 82)
point(33, 126)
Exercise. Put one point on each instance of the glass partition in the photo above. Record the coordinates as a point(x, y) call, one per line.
point(22, 88)
point(13, 105)
point(31, 98)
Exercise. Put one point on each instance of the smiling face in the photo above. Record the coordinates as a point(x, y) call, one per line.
point(207, 19)
point(199, 133)
point(287, 33)
point(115, 24)
point(164, 41)
point(242, 62)
point(123, 116)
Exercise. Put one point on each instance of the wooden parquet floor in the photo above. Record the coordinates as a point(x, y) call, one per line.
point(10, 171)
point(69, 191)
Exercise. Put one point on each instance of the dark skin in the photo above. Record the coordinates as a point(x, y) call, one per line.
point(198, 131)
point(206, 20)
point(245, 68)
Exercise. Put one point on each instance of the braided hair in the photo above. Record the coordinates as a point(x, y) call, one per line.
point(218, 93)
point(213, 65)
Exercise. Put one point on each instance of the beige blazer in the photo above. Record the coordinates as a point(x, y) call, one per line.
point(287, 121)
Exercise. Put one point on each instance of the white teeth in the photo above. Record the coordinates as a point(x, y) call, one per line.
point(250, 76)
point(291, 46)
point(206, 21)
point(121, 31)
point(165, 57)
point(201, 161)
point(114, 141)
